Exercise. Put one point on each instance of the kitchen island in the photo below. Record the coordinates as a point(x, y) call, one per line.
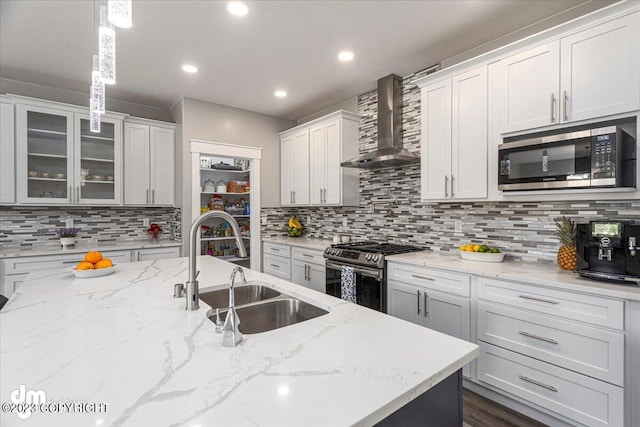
point(122, 341)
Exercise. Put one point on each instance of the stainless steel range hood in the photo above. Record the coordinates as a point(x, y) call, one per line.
point(389, 151)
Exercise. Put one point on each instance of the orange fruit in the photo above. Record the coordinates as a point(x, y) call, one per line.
point(93, 257)
point(104, 263)
point(83, 265)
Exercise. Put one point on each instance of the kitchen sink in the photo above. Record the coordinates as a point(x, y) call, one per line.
point(270, 315)
point(243, 294)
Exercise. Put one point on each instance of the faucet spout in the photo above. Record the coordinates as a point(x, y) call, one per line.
point(231, 335)
point(193, 292)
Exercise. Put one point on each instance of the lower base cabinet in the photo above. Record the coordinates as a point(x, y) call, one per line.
point(434, 309)
point(308, 269)
point(14, 270)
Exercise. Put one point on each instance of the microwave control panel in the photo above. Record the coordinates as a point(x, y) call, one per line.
point(603, 156)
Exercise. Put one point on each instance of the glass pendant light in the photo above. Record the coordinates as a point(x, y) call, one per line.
point(107, 49)
point(97, 86)
point(120, 13)
point(94, 116)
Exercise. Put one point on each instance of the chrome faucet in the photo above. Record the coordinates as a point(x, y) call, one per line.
point(231, 335)
point(193, 292)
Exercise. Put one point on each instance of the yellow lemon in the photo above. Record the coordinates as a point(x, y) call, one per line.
point(468, 248)
point(462, 247)
point(476, 248)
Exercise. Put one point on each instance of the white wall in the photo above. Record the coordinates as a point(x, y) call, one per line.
point(350, 105)
point(82, 99)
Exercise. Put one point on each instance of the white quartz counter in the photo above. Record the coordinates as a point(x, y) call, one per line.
point(14, 252)
point(300, 242)
point(123, 340)
point(545, 274)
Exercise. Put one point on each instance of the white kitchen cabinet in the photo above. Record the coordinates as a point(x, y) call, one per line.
point(329, 186)
point(294, 166)
point(7, 151)
point(149, 164)
point(310, 160)
point(588, 74)
point(276, 260)
point(58, 161)
point(454, 137)
point(308, 269)
point(151, 254)
point(428, 305)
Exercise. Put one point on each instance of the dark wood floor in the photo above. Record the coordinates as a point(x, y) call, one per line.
point(481, 412)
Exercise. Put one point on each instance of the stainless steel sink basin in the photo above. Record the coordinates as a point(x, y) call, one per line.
point(269, 315)
point(243, 294)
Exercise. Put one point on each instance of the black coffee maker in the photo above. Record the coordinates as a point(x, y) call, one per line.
point(609, 250)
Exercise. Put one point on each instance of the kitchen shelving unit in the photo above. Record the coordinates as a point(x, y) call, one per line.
point(224, 247)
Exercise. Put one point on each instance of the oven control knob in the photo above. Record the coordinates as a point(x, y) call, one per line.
point(375, 258)
point(334, 251)
point(368, 257)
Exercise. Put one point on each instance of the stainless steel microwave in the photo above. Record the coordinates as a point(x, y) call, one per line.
point(590, 158)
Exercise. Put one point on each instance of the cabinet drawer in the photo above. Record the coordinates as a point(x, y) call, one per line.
point(583, 399)
point(591, 351)
point(457, 284)
point(276, 249)
point(28, 264)
point(308, 255)
point(569, 305)
point(277, 266)
point(156, 253)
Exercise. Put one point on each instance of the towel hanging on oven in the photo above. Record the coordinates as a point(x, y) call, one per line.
point(348, 284)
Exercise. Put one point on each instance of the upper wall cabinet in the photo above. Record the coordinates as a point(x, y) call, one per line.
point(7, 152)
point(454, 137)
point(584, 75)
point(59, 161)
point(149, 163)
point(310, 157)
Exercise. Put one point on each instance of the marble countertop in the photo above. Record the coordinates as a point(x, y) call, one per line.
point(525, 272)
point(81, 247)
point(300, 242)
point(124, 340)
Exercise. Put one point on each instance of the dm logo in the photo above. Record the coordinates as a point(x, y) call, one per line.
point(22, 396)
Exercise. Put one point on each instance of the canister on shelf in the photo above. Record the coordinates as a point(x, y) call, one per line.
point(216, 203)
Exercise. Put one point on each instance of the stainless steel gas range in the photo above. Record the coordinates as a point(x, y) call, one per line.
point(369, 265)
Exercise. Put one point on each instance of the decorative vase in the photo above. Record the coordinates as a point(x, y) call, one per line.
point(67, 242)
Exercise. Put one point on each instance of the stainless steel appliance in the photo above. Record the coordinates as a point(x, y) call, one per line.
point(609, 250)
point(587, 158)
point(368, 262)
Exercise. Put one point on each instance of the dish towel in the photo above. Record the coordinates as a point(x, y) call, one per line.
point(348, 284)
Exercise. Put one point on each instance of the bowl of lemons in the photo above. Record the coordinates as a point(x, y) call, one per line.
point(483, 253)
point(93, 265)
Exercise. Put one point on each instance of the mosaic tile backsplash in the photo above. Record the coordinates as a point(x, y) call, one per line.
point(36, 226)
point(522, 230)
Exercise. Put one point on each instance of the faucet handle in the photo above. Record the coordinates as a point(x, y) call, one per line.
point(218, 322)
point(178, 290)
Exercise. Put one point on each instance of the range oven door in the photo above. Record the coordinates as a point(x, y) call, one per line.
point(369, 282)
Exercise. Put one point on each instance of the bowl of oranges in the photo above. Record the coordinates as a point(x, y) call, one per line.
point(93, 265)
point(484, 253)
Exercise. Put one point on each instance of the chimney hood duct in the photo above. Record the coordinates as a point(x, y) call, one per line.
point(389, 151)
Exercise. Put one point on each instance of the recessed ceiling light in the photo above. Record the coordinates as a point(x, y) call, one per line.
point(280, 93)
point(187, 68)
point(237, 8)
point(345, 56)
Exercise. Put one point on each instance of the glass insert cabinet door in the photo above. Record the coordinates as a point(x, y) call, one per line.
point(44, 152)
point(97, 161)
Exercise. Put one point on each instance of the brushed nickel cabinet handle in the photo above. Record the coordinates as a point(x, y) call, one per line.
point(446, 186)
point(147, 196)
point(417, 276)
point(564, 105)
point(307, 255)
point(70, 195)
point(548, 301)
point(538, 337)
point(418, 300)
point(426, 309)
point(275, 266)
point(78, 194)
point(451, 185)
point(153, 196)
point(538, 383)
point(553, 101)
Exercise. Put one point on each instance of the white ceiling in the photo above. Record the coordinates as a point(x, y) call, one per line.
point(291, 45)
